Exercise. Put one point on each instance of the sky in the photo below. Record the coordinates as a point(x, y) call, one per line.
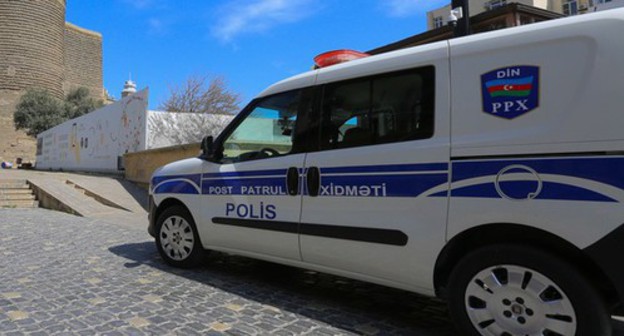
point(250, 43)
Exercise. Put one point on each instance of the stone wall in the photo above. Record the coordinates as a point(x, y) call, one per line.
point(139, 166)
point(38, 49)
point(83, 60)
point(31, 45)
point(13, 144)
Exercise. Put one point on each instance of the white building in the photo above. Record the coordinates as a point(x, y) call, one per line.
point(600, 5)
point(97, 141)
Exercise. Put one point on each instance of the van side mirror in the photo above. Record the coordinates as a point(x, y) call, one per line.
point(207, 146)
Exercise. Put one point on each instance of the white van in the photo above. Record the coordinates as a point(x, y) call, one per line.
point(487, 170)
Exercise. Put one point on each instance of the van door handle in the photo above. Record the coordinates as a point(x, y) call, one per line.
point(292, 181)
point(313, 179)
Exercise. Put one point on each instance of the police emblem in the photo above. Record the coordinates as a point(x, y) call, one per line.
point(510, 92)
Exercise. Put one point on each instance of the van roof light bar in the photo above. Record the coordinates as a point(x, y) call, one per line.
point(336, 57)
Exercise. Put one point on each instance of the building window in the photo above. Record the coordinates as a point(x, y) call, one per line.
point(438, 22)
point(495, 4)
point(570, 7)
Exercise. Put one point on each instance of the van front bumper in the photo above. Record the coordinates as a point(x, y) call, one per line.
point(607, 253)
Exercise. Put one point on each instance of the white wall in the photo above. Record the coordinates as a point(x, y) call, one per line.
point(166, 129)
point(94, 142)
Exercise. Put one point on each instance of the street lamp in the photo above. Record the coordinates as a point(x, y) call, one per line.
point(460, 17)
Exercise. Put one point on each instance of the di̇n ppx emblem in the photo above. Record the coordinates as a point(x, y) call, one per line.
point(510, 92)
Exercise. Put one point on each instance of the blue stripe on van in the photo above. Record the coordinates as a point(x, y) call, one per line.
point(176, 187)
point(341, 182)
point(585, 170)
point(269, 186)
point(397, 185)
point(350, 181)
point(607, 170)
point(519, 190)
point(195, 178)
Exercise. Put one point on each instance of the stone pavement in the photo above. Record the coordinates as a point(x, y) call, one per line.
point(62, 274)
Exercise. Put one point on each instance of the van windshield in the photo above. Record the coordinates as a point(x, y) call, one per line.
point(267, 131)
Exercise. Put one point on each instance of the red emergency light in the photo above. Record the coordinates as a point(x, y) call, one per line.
point(337, 56)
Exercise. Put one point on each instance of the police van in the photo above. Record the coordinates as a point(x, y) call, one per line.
point(487, 170)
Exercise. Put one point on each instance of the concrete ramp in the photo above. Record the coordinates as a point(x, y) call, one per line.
point(93, 196)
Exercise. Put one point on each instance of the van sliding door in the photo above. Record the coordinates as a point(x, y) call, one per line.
point(375, 201)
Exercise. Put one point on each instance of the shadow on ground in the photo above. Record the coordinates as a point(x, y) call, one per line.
point(139, 194)
point(340, 302)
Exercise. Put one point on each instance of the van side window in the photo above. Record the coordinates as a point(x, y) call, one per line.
point(380, 109)
point(346, 108)
point(266, 132)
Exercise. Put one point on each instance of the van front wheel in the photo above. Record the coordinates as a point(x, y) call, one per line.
point(519, 290)
point(177, 239)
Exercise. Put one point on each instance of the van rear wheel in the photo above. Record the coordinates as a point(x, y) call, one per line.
point(519, 290)
point(177, 239)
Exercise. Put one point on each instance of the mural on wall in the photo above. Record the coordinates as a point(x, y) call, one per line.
point(95, 141)
point(131, 136)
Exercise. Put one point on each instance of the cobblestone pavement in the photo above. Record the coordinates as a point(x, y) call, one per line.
point(61, 274)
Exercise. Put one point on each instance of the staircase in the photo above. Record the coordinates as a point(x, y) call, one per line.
point(16, 194)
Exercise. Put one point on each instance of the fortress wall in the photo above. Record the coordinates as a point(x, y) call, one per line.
point(31, 45)
point(13, 144)
point(83, 60)
point(38, 49)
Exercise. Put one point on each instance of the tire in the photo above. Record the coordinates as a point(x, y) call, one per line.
point(509, 290)
point(177, 239)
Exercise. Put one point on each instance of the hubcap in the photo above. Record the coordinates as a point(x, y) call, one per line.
point(512, 300)
point(176, 238)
